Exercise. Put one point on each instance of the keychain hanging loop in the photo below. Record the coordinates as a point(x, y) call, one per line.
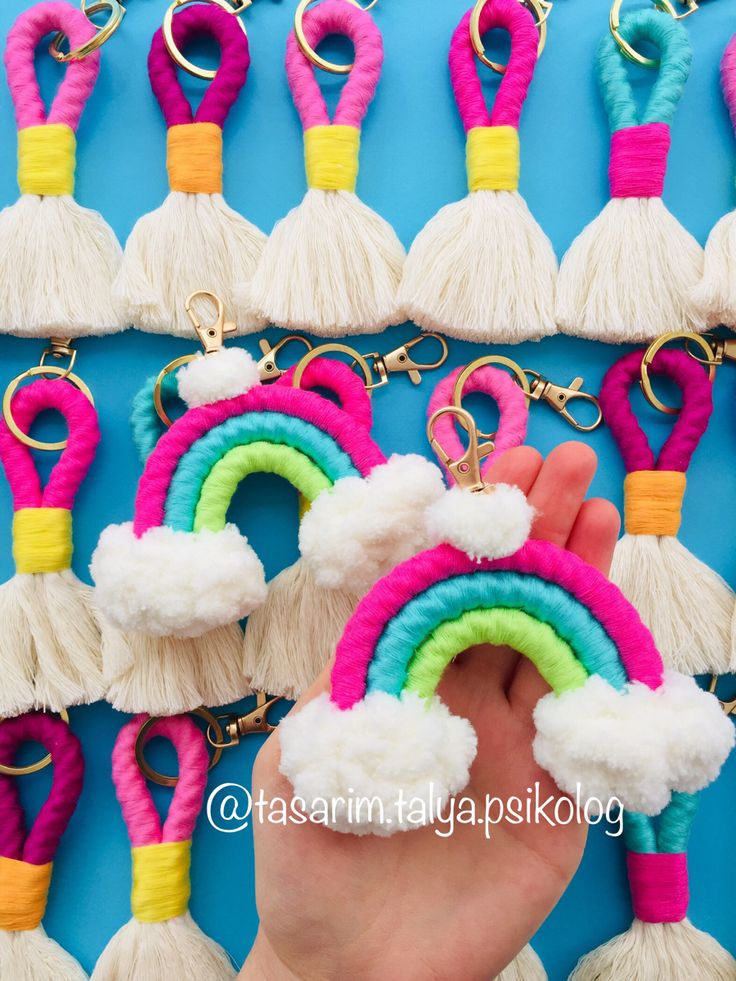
point(651, 352)
point(146, 733)
point(306, 47)
point(625, 44)
point(323, 349)
point(43, 370)
point(174, 44)
point(103, 34)
point(540, 9)
point(9, 770)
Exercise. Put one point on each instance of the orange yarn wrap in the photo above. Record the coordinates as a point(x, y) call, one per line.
point(23, 892)
point(653, 502)
point(195, 158)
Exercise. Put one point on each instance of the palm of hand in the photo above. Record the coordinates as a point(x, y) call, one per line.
point(422, 904)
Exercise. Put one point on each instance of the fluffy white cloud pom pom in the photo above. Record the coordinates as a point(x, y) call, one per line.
point(360, 528)
point(486, 525)
point(224, 374)
point(176, 583)
point(386, 765)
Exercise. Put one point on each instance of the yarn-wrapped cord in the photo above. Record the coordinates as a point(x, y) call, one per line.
point(728, 78)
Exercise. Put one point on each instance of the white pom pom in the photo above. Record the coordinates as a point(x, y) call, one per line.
point(224, 374)
point(630, 272)
point(716, 291)
point(57, 263)
point(359, 529)
point(30, 955)
point(176, 583)
point(192, 241)
point(482, 270)
point(486, 525)
point(526, 966)
point(383, 766)
point(331, 267)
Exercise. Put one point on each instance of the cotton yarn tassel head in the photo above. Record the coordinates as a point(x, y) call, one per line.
point(661, 942)
point(57, 259)
point(716, 292)
point(482, 269)
point(162, 939)
point(332, 266)
point(26, 858)
point(630, 273)
point(686, 605)
point(194, 238)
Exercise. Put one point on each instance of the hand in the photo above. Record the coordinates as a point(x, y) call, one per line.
point(416, 905)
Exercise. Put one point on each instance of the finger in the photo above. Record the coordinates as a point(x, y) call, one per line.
point(594, 534)
point(560, 489)
point(526, 688)
point(519, 466)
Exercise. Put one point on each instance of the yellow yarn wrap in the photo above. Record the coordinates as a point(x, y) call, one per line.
point(161, 885)
point(47, 157)
point(653, 502)
point(42, 540)
point(331, 157)
point(492, 158)
point(23, 892)
point(195, 158)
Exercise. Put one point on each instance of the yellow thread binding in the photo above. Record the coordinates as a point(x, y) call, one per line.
point(42, 540)
point(47, 158)
point(23, 892)
point(161, 886)
point(195, 158)
point(331, 157)
point(492, 158)
point(653, 501)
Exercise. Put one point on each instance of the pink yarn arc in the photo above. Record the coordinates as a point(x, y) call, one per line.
point(335, 17)
point(659, 886)
point(728, 78)
point(139, 811)
point(388, 597)
point(38, 846)
point(79, 81)
point(220, 97)
point(697, 406)
point(75, 461)
point(519, 22)
point(333, 376)
point(638, 162)
point(512, 407)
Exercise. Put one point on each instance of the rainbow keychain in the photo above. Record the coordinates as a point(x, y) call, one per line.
point(26, 857)
point(194, 237)
point(632, 270)
point(482, 269)
point(332, 266)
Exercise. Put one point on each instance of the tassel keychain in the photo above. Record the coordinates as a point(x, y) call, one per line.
point(482, 269)
point(661, 943)
point(26, 858)
point(332, 265)
point(162, 939)
point(57, 259)
point(51, 635)
point(631, 271)
point(686, 605)
point(194, 237)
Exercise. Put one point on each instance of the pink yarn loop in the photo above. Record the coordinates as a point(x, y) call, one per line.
point(74, 462)
point(728, 78)
point(512, 91)
point(335, 17)
point(691, 423)
point(79, 81)
point(659, 886)
point(220, 97)
point(512, 408)
point(638, 161)
point(38, 846)
point(329, 375)
point(139, 811)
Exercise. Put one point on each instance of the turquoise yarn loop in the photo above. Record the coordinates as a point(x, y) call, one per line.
point(671, 39)
point(449, 598)
point(269, 427)
point(667, 834)
point(144, 421)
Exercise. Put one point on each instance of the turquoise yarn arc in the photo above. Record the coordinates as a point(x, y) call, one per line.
point(667, 834)
point(145, 424)
point(671, 38)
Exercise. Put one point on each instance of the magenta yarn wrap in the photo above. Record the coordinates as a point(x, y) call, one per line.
point(333, 376)
point(71, 468)
point(691, 423)
point(79, 81)
point(512, 409)
point(638, 161)
point(388, 597)
point(728, 78)
point(139, 811)
point(335, 17)
point(38, 846)
point(512, 91)
point(218, 100)
point(659, 886)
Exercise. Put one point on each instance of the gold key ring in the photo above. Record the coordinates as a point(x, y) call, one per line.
point(690, 337)
point(162, 779)
point(24, 771)
point(206, 74)
point(628, 50)
point(541, 10)
point(468, 370)
point(104, 33)
point(318, 352)
point(306, 47)
point(44, 370)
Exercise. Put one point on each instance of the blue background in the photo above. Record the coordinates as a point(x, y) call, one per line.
point(412, 162)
